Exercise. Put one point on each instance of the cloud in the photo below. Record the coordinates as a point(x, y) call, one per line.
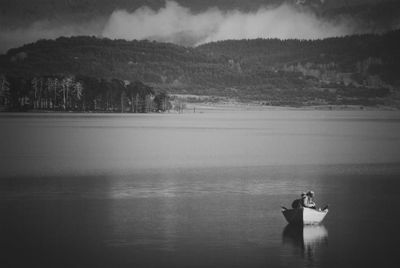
point(178, 24)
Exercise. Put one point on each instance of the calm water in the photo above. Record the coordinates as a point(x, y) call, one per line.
point(198, 190)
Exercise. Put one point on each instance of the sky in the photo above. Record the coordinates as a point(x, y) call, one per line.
point(170, 21)
point(173, 21)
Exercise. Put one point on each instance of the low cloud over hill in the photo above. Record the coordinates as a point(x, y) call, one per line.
point(192, 22)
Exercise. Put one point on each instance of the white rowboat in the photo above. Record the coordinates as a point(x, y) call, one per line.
point(304, 215)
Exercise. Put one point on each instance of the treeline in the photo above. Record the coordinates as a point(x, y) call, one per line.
point(79, 93)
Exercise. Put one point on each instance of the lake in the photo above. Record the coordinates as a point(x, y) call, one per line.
point(198, 189)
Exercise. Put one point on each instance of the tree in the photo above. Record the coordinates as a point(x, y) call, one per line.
point(119, 86)
point(66, 87)
point(19, 92)
point(54, 90)
point(140, 96)
point(4, 91)
point(90, 94)
point(35, 87)
point(161, 102)
point(76, 94)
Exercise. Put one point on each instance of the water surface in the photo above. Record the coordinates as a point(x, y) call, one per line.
point(198, 190)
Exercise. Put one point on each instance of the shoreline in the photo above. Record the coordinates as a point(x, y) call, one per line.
point(200, 107)
point(258, 107)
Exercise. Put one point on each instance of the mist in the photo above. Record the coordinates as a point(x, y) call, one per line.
point(178, 24)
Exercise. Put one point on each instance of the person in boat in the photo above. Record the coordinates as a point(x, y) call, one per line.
point(308, 200)
point(298, 203)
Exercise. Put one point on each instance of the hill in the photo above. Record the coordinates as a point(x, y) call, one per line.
point(359, 69)
point(158, 64)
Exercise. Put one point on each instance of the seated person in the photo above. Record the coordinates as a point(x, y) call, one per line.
point(308, 200)
point(298, 203)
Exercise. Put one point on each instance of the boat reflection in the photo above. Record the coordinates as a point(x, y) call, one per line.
point(306, 240)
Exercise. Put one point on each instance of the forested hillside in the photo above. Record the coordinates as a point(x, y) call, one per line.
point(343, 54)
point(159, 64)
point(359, 69)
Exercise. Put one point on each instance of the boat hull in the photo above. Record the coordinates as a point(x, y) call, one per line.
point(304, 215)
